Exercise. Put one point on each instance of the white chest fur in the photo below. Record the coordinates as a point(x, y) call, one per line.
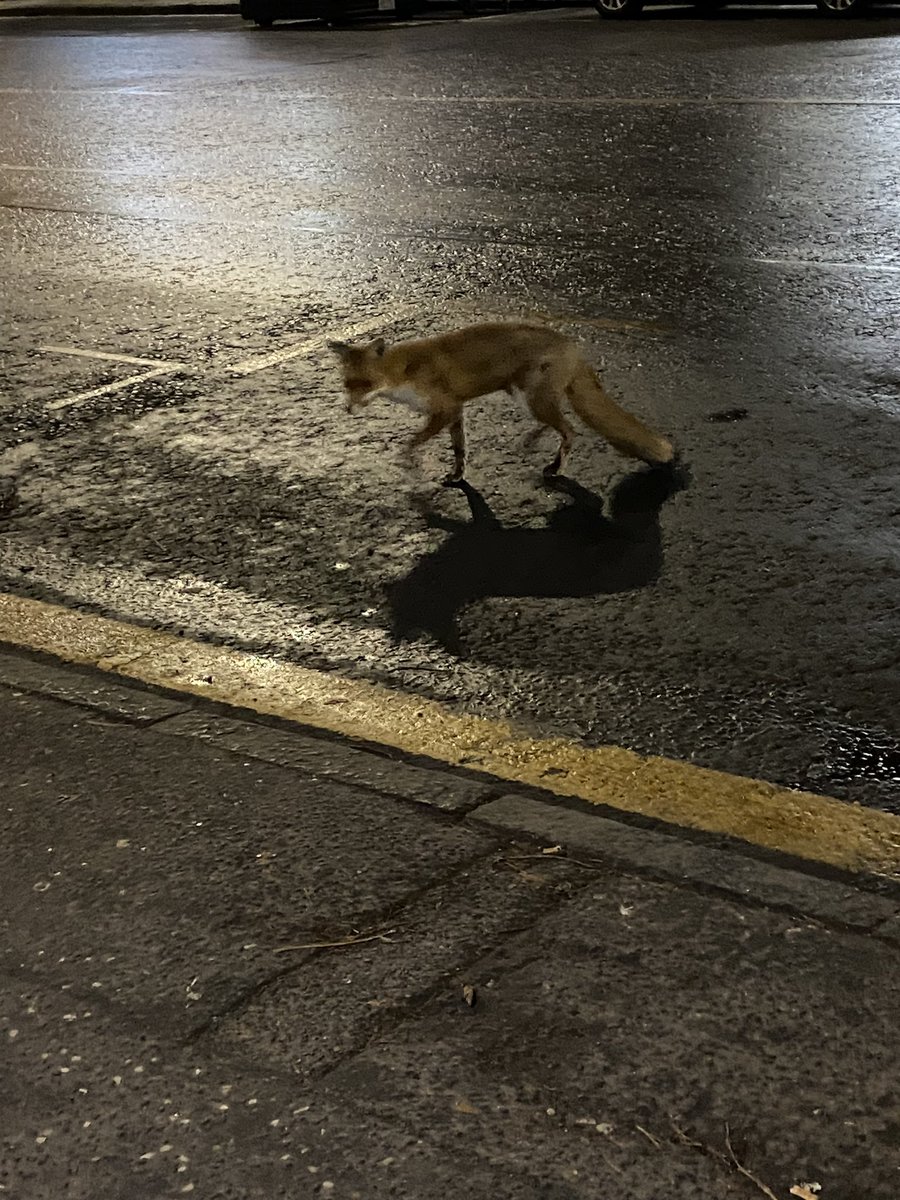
point(405, 395)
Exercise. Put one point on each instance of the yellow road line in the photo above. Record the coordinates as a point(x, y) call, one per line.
point(798, 823)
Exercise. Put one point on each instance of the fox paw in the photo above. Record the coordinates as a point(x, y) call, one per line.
point(453, 479)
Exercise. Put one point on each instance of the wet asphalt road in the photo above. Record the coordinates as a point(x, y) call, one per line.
point(712, 206)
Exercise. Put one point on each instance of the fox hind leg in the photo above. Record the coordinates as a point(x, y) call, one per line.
point(458, 440)
point(533, 435)
point(544, 401)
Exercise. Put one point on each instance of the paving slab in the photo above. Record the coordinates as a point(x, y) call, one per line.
point(622, 1041)
point(461, 1008)
point(163, 873)
point(96, 692)
point(379, 769)
point(652, 852)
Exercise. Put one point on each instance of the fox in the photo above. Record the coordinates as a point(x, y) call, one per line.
point(437, 376)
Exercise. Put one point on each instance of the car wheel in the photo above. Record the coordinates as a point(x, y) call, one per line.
point(619, 10)
point(262, 21)
point(841, 8)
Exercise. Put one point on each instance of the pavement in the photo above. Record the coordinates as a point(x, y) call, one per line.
point(245, 959)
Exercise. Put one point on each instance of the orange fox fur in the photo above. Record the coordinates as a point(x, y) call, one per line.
point(438, 375)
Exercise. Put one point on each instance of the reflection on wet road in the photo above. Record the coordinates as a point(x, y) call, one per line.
point(711, 206)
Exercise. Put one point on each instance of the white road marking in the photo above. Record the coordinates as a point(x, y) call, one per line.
point(26, 170)
point(99, 90)
point(156, 367)
point(649, 101)
point(824, 264)
point(259, 363)
point(80, 397)
point(530, 100)
point(247, 366)
point(125, 358)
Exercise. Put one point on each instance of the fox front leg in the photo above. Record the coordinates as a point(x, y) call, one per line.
point(432, 427)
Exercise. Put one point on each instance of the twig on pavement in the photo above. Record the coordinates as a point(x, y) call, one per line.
point(350, 941)
point(613, 1166)
point(739, 1166)
point(730, 1159)
point(689, 1141)
point(649, 1136)
point(511, 859)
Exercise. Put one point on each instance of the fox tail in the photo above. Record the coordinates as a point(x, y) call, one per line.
point(623, 431)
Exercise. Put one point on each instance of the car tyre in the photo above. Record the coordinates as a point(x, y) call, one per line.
point(619, 10)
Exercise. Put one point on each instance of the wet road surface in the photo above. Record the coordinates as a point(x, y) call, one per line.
point(711, 206)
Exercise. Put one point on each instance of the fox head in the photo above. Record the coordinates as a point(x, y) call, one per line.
point(363, 370)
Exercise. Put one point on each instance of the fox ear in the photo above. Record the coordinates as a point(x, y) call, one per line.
point(338, 348)
point(379, 346)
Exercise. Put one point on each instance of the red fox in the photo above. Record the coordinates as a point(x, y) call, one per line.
point(437, 375)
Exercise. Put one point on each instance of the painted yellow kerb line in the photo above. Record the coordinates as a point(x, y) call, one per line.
point(798, 823)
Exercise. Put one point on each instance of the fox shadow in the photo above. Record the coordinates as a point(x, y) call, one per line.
point(580, 552)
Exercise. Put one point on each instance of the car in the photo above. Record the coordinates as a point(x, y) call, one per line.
point(621, 10)
point(334, 12)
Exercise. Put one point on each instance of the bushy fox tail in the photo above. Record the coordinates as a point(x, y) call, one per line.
point(623, 431)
